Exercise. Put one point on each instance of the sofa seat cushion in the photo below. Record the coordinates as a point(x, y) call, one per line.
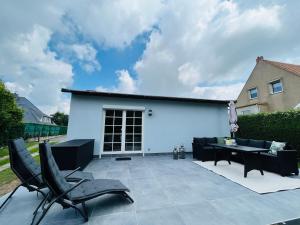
point(256, 143)
point(241, 141)
point(268, 144)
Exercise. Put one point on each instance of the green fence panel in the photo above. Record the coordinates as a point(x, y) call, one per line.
point(43, 130)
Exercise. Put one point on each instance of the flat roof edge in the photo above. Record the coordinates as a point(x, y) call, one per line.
point(146, 97)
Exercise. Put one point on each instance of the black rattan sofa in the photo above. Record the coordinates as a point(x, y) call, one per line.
point(284, 163)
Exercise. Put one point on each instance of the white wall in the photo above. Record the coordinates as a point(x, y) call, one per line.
point(172, 123)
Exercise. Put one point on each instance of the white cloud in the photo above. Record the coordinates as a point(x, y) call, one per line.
point(114, 23)
point(125, 84)
point(218, 92)
point(261, 17)
point(188, 75)
point(200, 45)
point(195, 48)
point(83, 54)
point(29, 68)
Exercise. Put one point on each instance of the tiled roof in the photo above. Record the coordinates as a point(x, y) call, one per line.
point(292, 68)
point(31, 113)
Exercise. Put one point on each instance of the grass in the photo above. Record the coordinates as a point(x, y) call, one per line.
point(4, 161)
point(3, 151)
point(7, 176)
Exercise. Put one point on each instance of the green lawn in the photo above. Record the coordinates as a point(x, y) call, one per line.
point(7, 176)
point(4, 161)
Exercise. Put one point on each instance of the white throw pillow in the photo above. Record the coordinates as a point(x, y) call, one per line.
point(276, 146)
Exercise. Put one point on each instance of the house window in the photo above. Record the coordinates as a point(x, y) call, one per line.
point(123, 131)
point(276, 87)
point(253, 93)
point(246, 112)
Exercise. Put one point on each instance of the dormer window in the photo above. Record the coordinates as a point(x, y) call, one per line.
point(253, 93)
point(276, 87)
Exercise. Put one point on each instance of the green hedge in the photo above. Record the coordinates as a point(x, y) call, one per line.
point(277, 126)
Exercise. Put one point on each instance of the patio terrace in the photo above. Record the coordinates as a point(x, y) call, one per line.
point(166, 191)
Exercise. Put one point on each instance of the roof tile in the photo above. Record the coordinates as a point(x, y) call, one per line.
point(292, 68)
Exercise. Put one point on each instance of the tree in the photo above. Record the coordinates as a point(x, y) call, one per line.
point(61, 119)
point(11, 116)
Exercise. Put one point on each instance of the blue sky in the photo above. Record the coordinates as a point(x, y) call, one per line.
point(199, 49)
point(111, 59)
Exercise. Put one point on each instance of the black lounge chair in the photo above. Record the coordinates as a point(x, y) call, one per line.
point(29, 172)
point(70, 195)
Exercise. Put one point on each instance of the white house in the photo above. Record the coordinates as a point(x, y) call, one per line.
point(127, 123)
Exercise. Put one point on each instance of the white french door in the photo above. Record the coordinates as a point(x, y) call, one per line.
point(123, 131)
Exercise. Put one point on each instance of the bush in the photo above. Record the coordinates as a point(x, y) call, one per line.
point(11, 116)
point(277, 126)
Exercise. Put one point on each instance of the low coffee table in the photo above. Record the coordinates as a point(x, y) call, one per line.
point(250, 155)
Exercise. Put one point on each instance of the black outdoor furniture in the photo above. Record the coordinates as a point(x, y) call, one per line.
point(202, 149)
point(72, 154)
point(29, 172)
point(284, 163)
point(250, 156)
point(70, 195)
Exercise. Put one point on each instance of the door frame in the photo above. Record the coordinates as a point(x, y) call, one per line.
point(123, 108)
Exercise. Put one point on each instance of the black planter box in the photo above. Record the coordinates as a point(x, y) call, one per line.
point(72, 154)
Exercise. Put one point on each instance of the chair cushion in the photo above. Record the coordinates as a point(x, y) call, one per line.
point(199, 141)
point(59, 180)
point(27, 160)
point(241, 141)
point(256, 143)
point(211, 140)
point(91, 189)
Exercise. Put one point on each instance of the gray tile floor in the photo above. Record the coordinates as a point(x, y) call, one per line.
point(165, 191)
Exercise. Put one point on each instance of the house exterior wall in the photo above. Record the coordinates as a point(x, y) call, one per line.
point(251, 109)
point(172, 123)
point(260, 77)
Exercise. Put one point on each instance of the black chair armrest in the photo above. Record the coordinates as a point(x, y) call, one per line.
point(288, 161)
point(287, 154)
point(72, 172)
point(72, 188)
point(31, 178)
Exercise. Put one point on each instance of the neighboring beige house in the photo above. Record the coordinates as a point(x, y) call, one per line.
point(272, 86)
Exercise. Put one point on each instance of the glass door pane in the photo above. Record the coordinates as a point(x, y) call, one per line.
point(133, 137)
point(113, 131)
